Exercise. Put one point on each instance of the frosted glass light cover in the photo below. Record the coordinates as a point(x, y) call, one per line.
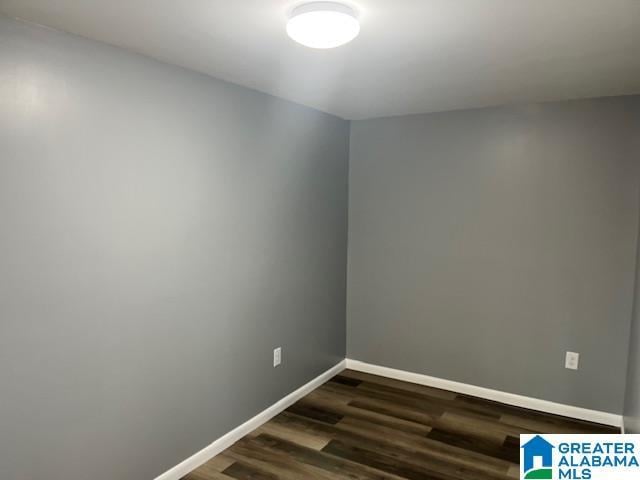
point(323, 25)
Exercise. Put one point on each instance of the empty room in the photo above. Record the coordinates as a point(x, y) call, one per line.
point(343, 240)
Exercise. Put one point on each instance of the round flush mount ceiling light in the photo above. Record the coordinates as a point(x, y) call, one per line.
point(323, 24)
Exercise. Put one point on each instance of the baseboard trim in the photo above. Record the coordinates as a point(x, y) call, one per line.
point(489, 394)
point(224, 442)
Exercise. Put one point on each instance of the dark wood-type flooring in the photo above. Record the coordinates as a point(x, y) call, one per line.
point(363, 427)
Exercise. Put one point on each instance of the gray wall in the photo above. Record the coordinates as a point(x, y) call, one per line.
point(632, 397)
point(484, 244)
point(161, 233)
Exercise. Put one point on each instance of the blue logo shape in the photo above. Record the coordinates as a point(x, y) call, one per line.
point(538, 447)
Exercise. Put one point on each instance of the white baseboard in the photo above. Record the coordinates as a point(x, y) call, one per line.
point(224, 442)
point(489, 394)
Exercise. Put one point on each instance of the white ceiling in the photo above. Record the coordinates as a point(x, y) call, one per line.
point(412, 56)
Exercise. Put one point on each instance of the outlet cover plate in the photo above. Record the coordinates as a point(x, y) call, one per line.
point(277, 356)
point(572, 360)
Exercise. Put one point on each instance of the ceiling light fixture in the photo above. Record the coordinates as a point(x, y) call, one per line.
point(323, 24)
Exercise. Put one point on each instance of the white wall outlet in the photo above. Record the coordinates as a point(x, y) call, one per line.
point(277, 356)
point(571, 360)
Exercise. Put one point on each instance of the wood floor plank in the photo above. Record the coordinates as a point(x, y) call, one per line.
point(384, 463)
point(328, 397)
point(367, 415)
point(531, 417)
point(514, 472)
point(413, 466)
point(424, 447)
point(248, 452)
point(317, 413)
point(308, 425)
point(352, 382)
point(212, 469)
point(242, 471)
point(389, 394)
point(295, 433)
point(419, 416)
point(553, 425)
point(359, 426)
point(483, 429)
point(336, 465)
point(404, 399)
point(219, 463)
point(476, 445)
point(413, 399)
point(205, 474)
point(405, 393)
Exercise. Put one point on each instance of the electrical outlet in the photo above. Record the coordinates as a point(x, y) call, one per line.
point(571, 360)
point(277, 356)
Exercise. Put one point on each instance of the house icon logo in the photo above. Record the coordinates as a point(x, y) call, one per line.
point(537, 461)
